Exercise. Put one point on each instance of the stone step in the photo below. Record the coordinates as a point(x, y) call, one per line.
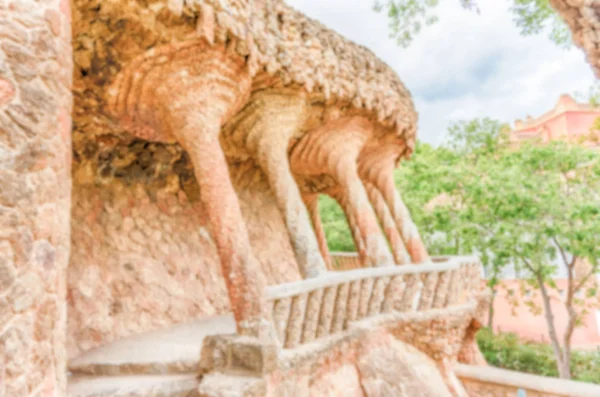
point(184, 385)
point(175, 350)
point(226, 385)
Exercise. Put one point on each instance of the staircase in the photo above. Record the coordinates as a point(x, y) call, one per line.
point(162, 363)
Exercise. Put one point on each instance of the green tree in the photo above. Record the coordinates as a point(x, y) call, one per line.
point(438, 184)
point(408, 17)
point(548, 215)
point(535, 207)
point(337, 231)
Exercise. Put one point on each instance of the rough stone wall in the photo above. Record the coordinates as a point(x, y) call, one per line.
point(583, 18)
point(35, 194)
point(440, 335)
point(394, 368)
point(377, 365)
point(145, 260)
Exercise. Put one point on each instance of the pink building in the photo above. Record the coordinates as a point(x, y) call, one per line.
point(569, 121)
point(519, 319)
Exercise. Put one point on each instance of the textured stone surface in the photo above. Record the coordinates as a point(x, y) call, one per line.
point(583, 18)
point(35, 195)
point(172, 82)
point(269, 121)
point(368, 355)
point(397, 369)
point(369, 364)
point(134, 386)
point(238, 354)
point(469, 352)
point(173, 350)
point(440, 335)
point(221, 385)
point(134, 48)
point(157, 264)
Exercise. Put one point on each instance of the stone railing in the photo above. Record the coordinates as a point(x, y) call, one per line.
point(342, 261)
point(490, 381)
point(345, 261)
point(314, 308)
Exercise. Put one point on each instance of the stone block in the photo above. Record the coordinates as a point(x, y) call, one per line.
point(238, 354)
point(222, 385)
point(214, 353)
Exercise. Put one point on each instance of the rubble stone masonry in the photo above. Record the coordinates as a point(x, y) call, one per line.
point(35, 194)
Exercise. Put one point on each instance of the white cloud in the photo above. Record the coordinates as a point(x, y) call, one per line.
point(467, 65)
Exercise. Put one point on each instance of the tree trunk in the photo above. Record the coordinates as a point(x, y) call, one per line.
point(569, 333)
point(490, 322)
point(562, 366)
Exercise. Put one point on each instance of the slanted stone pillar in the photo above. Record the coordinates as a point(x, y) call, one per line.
point(406, 226)
point(312, 205)
point(341, 197)
point(333, 149)
point(399, 251)
point(377, 168)
point(268, 123)
point(35, 195)
point(184, 93)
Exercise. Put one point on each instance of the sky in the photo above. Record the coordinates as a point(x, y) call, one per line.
point(465, 66)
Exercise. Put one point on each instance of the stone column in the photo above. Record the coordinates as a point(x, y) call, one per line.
point(399, 251)
point(242, 273)
point(377, 168)
point(406, 226)
point(35, 194)
point(276, 116)
point(333, 149)
point(185, 93)
point(360, 214)
point(312, 205)
point(198, 132)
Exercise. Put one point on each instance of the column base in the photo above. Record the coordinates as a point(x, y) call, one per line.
point(237, 354)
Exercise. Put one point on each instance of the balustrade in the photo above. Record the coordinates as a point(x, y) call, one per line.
point(315, 308)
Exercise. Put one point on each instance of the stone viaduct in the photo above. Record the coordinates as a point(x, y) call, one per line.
point(160, 165)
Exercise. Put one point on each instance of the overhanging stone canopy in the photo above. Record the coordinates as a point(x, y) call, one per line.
point(253, 89)
point(164, 161)
point(583, 18)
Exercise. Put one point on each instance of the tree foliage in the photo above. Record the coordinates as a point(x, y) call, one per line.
point(537, 16)
point(408, 17)
point(506, 350)
point(535, 207)
point(336, 228)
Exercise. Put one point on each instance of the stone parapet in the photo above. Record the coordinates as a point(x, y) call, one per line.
point(318, 307)
point(495, 382)
point(436, 333)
